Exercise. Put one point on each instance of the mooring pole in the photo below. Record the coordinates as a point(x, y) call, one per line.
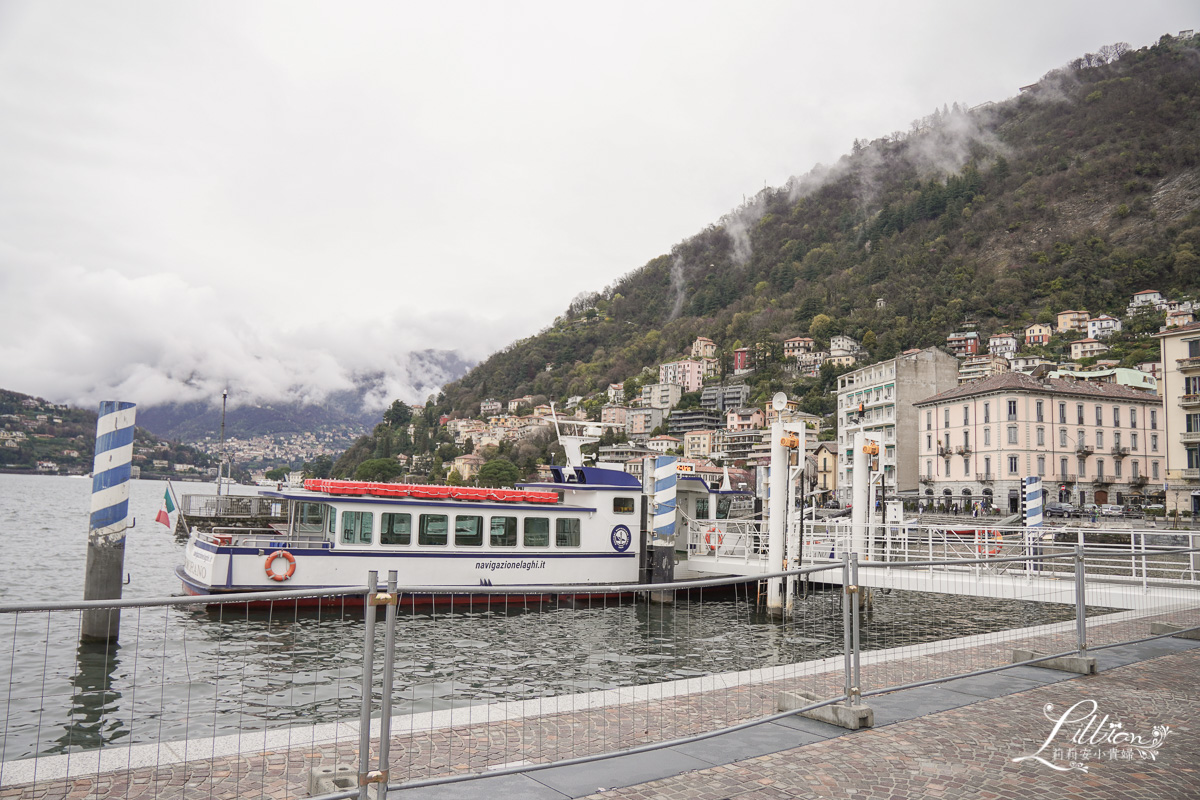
point(110, 517)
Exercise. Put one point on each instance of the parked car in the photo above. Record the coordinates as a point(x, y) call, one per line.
point(1089, 509)
point(1154, 508)
point(1110, 510)
point(1060, 510)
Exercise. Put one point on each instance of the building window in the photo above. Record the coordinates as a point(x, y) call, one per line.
point(966, 415)
point(966, 466)
point(1081, 438)
point(1012, 465)
point(1012, 434)
point(947, 417)
point(1062, 468)
point(1117, 468)
point(1012, 410)
point(1039, 411)
point(1041, 464)
point(1117, 439)
point(987, 412)
point(966, 440)
point(1099, 415)
point(928, 420)
point(1134, 469)
point(1133, 417)
point(947, 468)
point(1116, 417)
point(929, 441)
point(1099, 469)
point(1154, 470)
point(987, 437)
point(1041, 437)
point(1099, 440)
point(1154, 419)
point(987, 465)
point(1193, 457)
point(1079, 413)
point(929, 469)
point(1062, 413)
point(1062, 437)
point(1154, 443)
point(1133, 443)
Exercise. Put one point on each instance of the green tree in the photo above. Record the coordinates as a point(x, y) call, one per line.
point(499, 472)
point(277, 474)
point(378, 469)
point(398, 414)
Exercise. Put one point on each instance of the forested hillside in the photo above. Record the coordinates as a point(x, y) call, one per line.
point(1076, 193)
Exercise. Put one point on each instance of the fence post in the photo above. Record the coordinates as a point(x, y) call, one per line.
point(1080, 601)
point(368, 685)
point(847, 632)
point(389, 664)
point(854, 616)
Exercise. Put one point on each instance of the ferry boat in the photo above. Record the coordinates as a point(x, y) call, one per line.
point(584, 527)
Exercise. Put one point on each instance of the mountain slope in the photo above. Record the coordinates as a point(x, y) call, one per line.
point(1075, 194)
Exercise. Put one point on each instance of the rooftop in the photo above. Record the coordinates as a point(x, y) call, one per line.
point(1020, 382)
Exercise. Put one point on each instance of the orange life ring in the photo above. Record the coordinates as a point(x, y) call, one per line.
point(280, 576)
point(990, 545)
point(709, 536)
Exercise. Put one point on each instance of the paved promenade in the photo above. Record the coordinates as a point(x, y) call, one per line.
point(955, 739)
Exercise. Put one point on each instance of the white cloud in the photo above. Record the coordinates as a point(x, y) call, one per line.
point(282, 196)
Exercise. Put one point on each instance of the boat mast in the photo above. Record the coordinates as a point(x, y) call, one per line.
point(221, 466)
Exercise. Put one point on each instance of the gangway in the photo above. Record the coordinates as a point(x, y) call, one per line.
point(1141, 569)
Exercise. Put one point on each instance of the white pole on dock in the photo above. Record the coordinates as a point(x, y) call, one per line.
point(111, 470)
point(777, 507)
point(860, 497)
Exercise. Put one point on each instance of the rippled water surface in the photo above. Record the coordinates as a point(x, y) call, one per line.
point(179, 672)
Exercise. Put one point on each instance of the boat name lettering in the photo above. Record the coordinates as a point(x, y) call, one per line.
point(197, 569)
point(525, 563)
point(202, 555)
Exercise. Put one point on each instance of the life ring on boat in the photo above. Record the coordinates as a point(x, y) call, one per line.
point(990, 542)
point(713, 537)
point(280, 576)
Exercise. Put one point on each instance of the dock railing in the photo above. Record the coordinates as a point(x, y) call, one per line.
point(375, 689)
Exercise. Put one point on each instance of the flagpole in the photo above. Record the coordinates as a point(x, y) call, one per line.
point(179, 509)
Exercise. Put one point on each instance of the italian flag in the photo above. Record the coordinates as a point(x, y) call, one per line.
point(164, 513)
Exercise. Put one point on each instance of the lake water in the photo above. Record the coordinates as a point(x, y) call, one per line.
point(180, 672)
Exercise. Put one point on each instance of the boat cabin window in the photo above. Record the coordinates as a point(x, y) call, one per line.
point(723, 507)
point(504, 531)
point(432, 530)
point(310, 517)
point(566, 532)
point(356, 527)
point(701, 508)
point(395, 529)
point(622, 505)
point(468, 531)
point(537, 532)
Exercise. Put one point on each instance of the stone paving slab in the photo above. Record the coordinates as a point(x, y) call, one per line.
point(970, 751)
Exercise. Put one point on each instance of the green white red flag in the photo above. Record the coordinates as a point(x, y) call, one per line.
point(164, 513)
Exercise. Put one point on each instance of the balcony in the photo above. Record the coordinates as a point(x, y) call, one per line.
point(1189, 437)
point(1102, 480)
point(962, 451)
point(925, 479)
point(1188, 364)
point(1137, 481)
point(985, 477)
point(1083, 450)
point(1120, 452)
point(943, 450)
point(1189, 400)
point(1190, 474)
point(1065, 478)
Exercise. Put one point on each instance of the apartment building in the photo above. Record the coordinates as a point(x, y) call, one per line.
point(1072, 320)
point(704, 347)
point(973, 368)
point(661, 395)
point(1038, 333)
point(682, 421)
point(687, 374)
point(963, 344)
point(1002, 344)
point(1179, 385)
point(720, 397)
point(1088, 441)
point(878, 400)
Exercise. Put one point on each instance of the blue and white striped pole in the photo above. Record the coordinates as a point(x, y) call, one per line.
point(111, 469)
point(1033, 519)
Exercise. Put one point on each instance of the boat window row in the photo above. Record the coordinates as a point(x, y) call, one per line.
point(461, 530)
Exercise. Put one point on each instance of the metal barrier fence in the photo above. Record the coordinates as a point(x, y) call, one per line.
point(230, 505)
point(256, 696)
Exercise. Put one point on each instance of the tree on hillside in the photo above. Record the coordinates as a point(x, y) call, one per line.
point(499, 472)
point(398, 414)
point(378, 469)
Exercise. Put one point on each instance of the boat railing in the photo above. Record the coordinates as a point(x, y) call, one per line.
point(225, 505)
point(730, 538)
point(264, 538)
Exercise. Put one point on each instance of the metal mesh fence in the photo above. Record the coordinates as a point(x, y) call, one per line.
point(221, 697)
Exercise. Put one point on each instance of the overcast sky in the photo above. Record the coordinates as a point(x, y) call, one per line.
point(279, 196)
